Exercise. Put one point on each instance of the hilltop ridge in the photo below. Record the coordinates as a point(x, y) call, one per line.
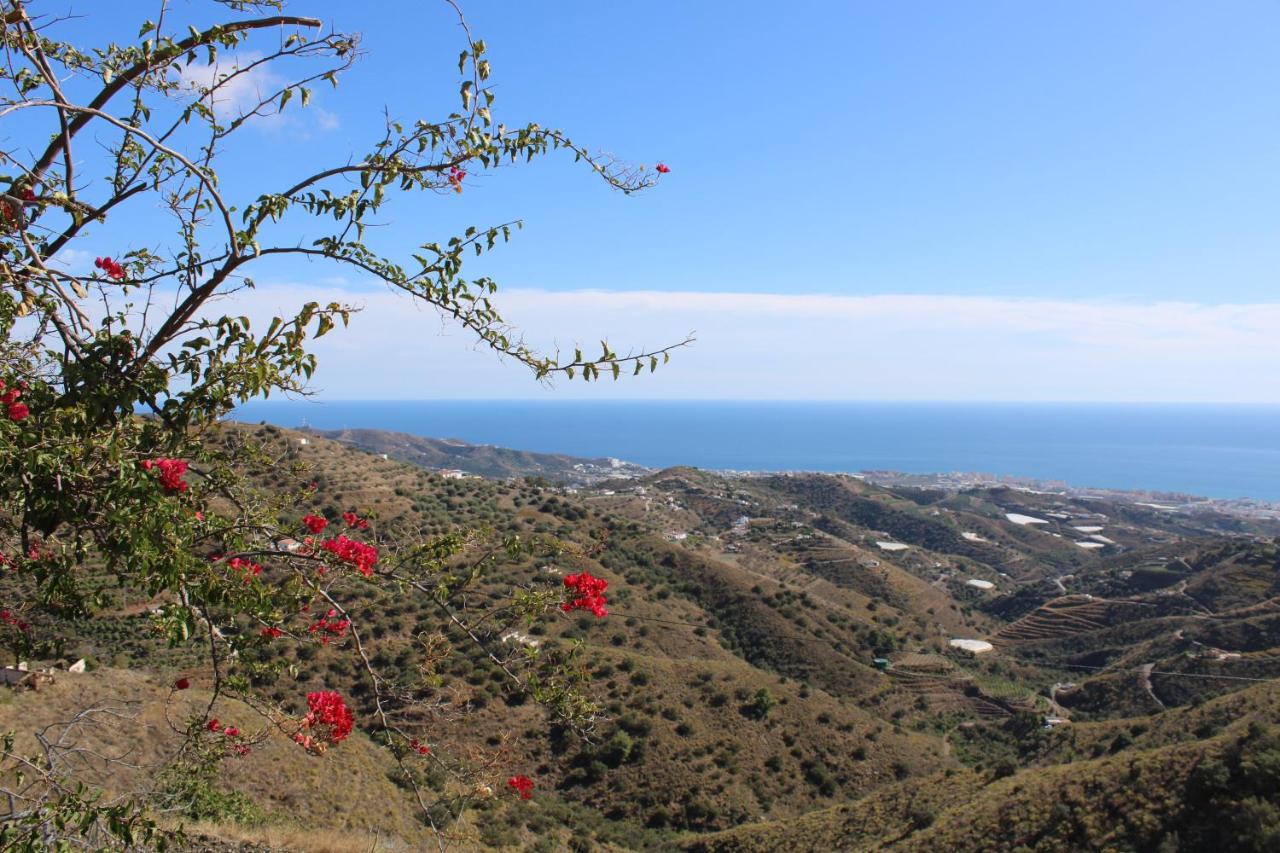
point(483, 460)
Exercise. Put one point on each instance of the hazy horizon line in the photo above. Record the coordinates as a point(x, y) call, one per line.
point(770, 400)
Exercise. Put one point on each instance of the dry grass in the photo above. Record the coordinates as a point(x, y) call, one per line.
point(295, 838)
point(345, 797)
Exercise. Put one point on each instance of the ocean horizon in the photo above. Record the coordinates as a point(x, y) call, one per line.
point(1223, 451)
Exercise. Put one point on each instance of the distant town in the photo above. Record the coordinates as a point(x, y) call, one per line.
point(1167, 501)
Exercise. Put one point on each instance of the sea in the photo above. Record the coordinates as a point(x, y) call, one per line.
point(1218, 451)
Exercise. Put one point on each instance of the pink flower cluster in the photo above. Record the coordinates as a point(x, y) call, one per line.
point(328, 719)
point(455, 178)
point(329, 626)
point(231, 733)
point(9, 619)
point(170, 471)
point(358, 554)
point(588, 594)
point(113, 270)
point(9, 399)
point(246, 569)
point(522, 785)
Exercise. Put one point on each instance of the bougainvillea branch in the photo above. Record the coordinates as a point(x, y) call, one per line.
point(115, 374)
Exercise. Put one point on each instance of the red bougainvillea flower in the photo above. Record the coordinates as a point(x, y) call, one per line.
point(213, 725)
point(181, 684)
point(353, 521)
point(231, 731)
point(315, 523)
point(662, 168)
point(113, 270)
point(271, 632)
point(419, 747)
point(9, 619)
point(170, 473)
point(246, 569)
point(455, 178)
point(588, 594)
point(329, 626)
point(328, 721)
point(9, 399)
point(522, 785)
point(358, 554)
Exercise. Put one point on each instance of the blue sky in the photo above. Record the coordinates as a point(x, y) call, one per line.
point(1083, 164)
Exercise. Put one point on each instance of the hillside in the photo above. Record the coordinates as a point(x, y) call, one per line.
point(1209, 788)
point(341, 804)
point(745, 707)
point(483, 460)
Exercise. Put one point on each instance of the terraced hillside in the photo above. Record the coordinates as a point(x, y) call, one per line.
point(1068, 616)
point(1194, 786)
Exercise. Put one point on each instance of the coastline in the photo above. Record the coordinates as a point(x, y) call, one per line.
point(452, 455)
point(1224, 453)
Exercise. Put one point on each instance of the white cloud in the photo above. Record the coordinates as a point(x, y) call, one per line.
point(239, 92)
point(326, 120)
point(71, 261)
point(783, 346)
point(244, 90)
